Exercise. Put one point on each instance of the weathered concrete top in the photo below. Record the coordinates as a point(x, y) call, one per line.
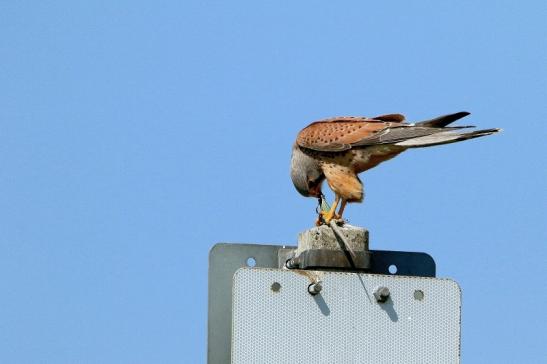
point(323, 237)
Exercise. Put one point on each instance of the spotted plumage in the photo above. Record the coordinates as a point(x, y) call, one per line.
point(338, 149)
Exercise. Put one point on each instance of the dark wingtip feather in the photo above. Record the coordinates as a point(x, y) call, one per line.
point(486, 131)
point(478, 133)
point(442, 121)
point(463, 113)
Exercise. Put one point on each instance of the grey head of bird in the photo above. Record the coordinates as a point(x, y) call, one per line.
point(306, 173)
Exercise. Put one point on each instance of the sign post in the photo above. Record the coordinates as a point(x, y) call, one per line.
point(323, 303)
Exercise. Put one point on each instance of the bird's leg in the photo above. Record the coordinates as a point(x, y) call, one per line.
point(342, 207)
point(327, 216)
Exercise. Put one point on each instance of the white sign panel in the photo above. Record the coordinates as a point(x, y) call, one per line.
point(276, 320)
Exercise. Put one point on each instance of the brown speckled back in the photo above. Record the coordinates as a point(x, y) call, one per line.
point(338, 134)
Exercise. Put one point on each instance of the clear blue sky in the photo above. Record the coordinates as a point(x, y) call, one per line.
point(134, 135)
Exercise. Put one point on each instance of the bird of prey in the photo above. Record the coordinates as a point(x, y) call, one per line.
point(338, 149)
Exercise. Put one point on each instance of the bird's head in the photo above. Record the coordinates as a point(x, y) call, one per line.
point(306, 174)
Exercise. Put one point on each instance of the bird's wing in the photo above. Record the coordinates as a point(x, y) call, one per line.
point(397, 118)
point(444, 120)
point(403, 132)
point(341, 133)
point(396, 134)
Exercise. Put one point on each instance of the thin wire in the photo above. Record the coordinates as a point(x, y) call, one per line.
point(351, 258)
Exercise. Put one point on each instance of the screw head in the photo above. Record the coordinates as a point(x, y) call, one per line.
point(381, 294)
point(292, 263)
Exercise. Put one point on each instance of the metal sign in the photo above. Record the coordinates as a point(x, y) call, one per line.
point(346, 307)
point(276, 319)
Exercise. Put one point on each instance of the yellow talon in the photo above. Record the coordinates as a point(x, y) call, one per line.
point(325, 217)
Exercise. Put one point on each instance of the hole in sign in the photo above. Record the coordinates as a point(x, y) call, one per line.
point(392, 269)
point(251, 262)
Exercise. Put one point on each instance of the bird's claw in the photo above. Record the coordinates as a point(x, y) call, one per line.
point(325, 218)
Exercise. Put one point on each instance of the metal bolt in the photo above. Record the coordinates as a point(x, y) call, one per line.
point(381, 294)
point(292, 263)
point(315, 288)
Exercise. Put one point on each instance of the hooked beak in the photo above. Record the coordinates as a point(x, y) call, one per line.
point(316, 191)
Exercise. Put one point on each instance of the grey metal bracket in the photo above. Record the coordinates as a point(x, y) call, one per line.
point(326, 259)
point(225, 259)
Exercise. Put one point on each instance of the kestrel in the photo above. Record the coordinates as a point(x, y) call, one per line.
point(338, 149)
